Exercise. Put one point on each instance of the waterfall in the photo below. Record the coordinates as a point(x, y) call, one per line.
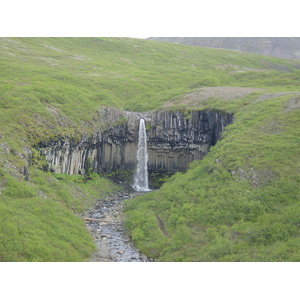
point(141, 174)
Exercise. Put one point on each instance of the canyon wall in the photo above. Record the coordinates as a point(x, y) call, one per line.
point(175, 138)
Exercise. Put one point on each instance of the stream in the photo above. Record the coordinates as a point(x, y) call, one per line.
point(113, 244)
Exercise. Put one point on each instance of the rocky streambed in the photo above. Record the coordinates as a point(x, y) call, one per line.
point(105, 222)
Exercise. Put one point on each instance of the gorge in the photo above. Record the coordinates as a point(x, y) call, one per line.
point(234, 195)
point(175, 138)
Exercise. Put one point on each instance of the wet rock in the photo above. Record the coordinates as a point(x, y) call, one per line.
point(96, 215)
point(110, 237)
point(144, 258)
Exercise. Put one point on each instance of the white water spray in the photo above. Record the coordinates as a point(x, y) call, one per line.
point(141, 174)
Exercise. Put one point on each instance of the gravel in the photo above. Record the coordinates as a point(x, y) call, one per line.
point(110, 238)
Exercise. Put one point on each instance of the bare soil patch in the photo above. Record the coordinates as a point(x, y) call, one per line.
point(226, 93)
point(293, 103)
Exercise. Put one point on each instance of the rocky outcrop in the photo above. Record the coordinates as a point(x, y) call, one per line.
point(175, 138)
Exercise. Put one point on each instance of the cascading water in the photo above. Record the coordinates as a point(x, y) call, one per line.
point(141, 174)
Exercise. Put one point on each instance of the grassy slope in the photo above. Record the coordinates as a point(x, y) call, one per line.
point(241, 202)
point(37, 216)
point(54, 86)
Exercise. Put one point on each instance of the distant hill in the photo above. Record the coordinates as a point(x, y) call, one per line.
point(282, 47)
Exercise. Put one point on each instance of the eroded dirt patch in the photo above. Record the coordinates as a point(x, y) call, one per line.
point(195, 98)
point(161, 226)
point(293, 103)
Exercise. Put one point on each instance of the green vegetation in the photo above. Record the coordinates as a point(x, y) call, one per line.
point(38, 221)
point(238, 204)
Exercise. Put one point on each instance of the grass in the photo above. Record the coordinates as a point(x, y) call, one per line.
point(238, 204)
point(38, 216)
point(77, 76)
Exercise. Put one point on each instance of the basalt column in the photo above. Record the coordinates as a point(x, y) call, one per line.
point(178, 138)
point(174, 140)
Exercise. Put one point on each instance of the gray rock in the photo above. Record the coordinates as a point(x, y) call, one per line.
point(174, 140)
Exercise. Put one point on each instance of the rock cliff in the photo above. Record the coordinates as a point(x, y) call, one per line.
point(175, 138)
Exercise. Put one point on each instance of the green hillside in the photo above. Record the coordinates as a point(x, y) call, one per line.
point(239, 203)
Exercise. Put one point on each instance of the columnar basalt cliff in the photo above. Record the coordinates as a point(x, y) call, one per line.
point(175, 138)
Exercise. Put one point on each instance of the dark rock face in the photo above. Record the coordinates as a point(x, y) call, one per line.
point(174, 140)
point(177, 138)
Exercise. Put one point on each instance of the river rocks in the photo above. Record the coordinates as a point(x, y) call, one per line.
point(113, 245)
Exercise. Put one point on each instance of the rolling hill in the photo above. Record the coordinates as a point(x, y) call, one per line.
point(282, 47)
point(240, 203)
